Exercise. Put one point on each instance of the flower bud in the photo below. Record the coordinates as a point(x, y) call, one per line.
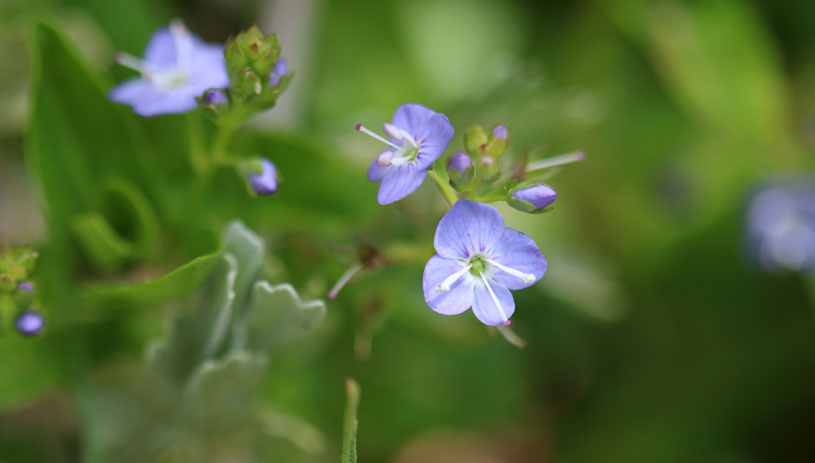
point(265, 182)
point(215, 97)
point(498, 141)
point(281, 69)
point(460, 169)
point(488, 169)
point(29, 323)
point(475, 141)
point(531, 198)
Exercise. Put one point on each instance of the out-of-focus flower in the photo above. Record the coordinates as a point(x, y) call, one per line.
point(781, 226)
point(478, 261)
point(29, 323)
point(532, 198)
point(26, 286)
point(215, 97)
point(265, 183)
point(281, 69)
point(177, 67)
point(417, 137)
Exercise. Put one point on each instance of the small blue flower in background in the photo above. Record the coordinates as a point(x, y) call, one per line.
point(781, 225)
point(478, 262)
point(265, 183)
point(538, 196)
point(26, 286)
point(177, 68)
point(281, 68)
point(29, 323)
point(417, 137)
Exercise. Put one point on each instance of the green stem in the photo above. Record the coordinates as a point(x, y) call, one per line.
point(198, 156)
point(350, 425)
point(445, 188)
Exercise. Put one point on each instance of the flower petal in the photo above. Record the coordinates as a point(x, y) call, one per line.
point(174, 101)
point(460, 295)
point(132, 91)
point(468, 228)
point(484, 305)
point(516, 250)
point(160, 53)
point(412, 118)
point(208, 68)
point(400, 182)
point(434, 140)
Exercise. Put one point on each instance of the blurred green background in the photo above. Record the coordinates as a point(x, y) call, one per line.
point(652, 338)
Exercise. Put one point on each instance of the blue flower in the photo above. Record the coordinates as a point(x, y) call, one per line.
point(265, 183)
point(281, 68)
point(177, 68)
point(417, 137)
point(478, 262)
point(29, 323)
point(781, 225)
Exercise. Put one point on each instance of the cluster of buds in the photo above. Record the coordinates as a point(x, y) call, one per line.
point(479, 166)
point(17, 297)
point(257, 74)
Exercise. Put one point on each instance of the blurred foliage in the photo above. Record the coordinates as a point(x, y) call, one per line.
point(651, 338)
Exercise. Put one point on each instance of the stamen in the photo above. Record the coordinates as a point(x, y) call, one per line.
point(392, 131)
point(495, 299)
point(362, 129)
point(129, 61)
point(448, 282)
point(344, 279)
point(384, 158)
point(526, 277)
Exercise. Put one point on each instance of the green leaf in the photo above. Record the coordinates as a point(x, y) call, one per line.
point(103, 247)
point(180, 282)
point(277, 316)
point(126, 202)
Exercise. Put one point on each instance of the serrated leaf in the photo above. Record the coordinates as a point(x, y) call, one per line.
point(248, 250)
point(196, 337)
point(219, 390)
point(277, 316)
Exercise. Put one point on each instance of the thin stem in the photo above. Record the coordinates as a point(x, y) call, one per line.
point(350, 424)
point(444, 187)
point(198, 157)
point(556, 161)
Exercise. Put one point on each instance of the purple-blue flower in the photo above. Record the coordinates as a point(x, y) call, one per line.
point(29, 323)
point(281, 68)
point(26, 286)
point(781, 225)
point(538, 196)
point(478, 261)
point(265, 183)
point(177, 67)
point(417, 136)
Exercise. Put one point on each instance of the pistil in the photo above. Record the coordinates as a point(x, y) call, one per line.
point(495, 299)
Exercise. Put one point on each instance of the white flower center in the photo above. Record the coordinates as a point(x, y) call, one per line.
point(405, 149)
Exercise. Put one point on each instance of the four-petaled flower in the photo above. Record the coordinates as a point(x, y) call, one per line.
point(478, 261)
point(177, 68)
point(417, 137)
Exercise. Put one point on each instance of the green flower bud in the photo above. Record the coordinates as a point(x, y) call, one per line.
point(460, 170)
point(475, 141)
point(531, 197)
point(488, 169)
point(498, 141)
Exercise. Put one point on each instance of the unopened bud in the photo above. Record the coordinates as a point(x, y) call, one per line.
point(265, 182)
point(531, 198)
point(460, 169)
